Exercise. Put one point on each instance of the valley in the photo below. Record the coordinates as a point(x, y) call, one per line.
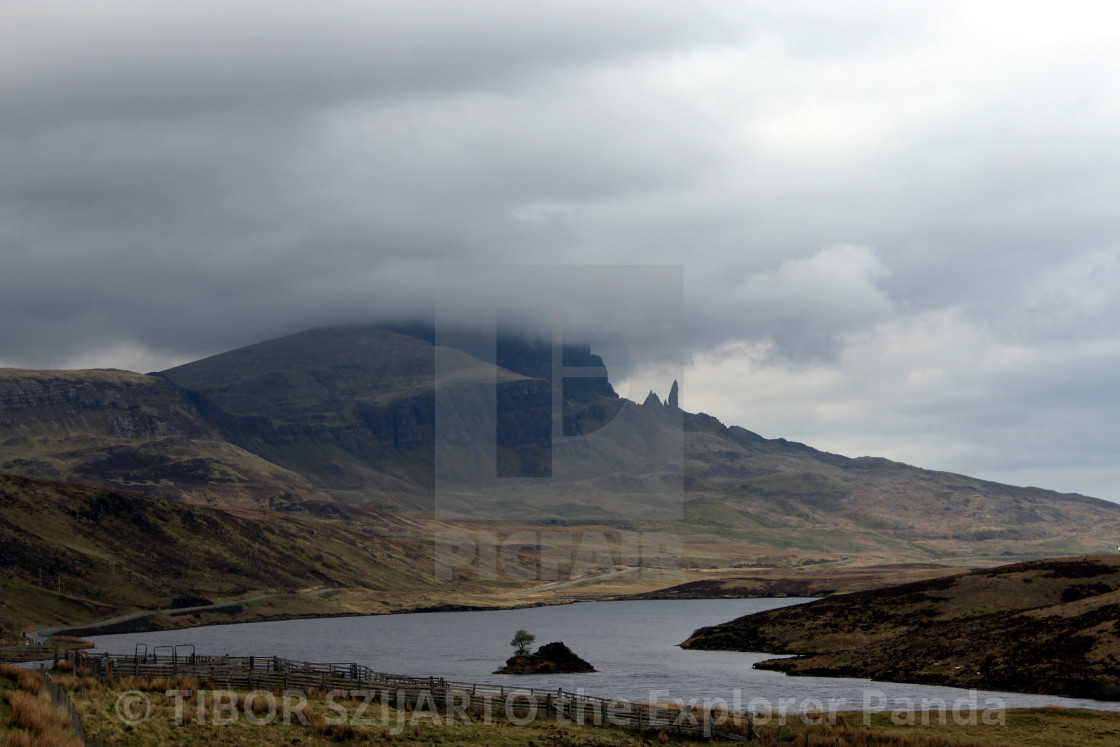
point(307, 477)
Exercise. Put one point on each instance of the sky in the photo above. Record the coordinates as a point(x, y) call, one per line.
point(897, 223)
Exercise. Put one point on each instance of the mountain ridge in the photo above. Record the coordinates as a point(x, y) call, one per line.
point(347, 414)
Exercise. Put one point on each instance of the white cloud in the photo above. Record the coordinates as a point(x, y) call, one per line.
point(838, 287)
point(806, 302)
point(1075, 299)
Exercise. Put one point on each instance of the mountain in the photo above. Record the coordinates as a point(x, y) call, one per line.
point(73, 553)
point(784, 485)
point(355, 410)
point(1045, 626)
point(351, 408)
point(347, 417)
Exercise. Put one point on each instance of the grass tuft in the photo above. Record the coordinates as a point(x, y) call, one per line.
point(45, 724)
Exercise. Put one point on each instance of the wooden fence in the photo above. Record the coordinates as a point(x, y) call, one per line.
point(26, 653)
point(60, 697)
point(277, 674)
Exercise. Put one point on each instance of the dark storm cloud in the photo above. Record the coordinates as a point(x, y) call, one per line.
point(880, 209)
point(199, 176)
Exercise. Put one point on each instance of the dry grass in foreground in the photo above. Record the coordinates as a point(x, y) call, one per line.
point(200, 717)
point(197, 717)
point(30, 719)
point(1040, 727)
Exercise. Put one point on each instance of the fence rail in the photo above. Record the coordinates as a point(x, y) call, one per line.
point(275, 673)
point(26, 653)
point(60, 697)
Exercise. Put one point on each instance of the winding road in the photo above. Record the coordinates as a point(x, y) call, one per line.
point(41, 636)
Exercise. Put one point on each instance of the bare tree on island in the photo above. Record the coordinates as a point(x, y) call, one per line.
point(522, 640)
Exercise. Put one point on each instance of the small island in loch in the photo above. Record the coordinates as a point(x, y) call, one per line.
point(551, 658)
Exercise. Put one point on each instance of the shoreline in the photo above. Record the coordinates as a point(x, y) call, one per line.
point(143, 621)
point(144, 625)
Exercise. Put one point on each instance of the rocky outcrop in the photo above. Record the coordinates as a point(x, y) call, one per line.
point(552, 658)
point(132, 431)
point(674, 396)
point(117, 403)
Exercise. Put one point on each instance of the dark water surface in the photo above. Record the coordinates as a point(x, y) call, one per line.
point(634, 645)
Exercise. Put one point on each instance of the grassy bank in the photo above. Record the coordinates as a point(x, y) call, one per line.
point(141, 712)
point(1047, 627)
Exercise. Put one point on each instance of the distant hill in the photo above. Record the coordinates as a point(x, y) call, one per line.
point(348, 415)
point(1048, 626)
point(834, 499)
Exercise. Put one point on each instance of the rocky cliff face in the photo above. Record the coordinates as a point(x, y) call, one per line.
point(127, 430)
point(118, 403)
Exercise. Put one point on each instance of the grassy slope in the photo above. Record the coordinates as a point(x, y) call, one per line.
point(102, 552)
point(807, 582)
point(350, 408)
point(793, 499)
point(1045, 626)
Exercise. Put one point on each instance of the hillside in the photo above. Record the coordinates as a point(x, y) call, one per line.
point(348, 415)
point(1044, 627)
point(352, 409)
point(765, 487)
point(72, 553)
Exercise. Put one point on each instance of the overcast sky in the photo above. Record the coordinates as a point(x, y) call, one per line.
point(899, 223)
